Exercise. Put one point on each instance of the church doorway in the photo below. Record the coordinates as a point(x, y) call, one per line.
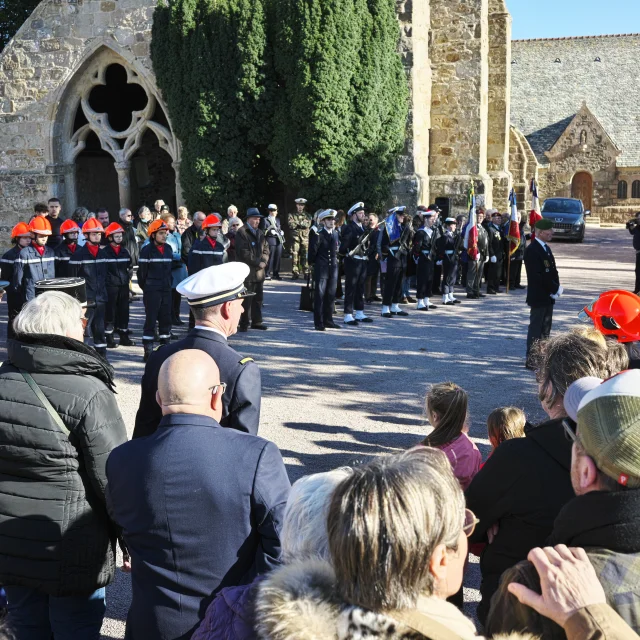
point(582, 188)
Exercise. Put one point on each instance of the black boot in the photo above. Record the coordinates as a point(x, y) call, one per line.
point(148, 349)
point(164, 341)
point(102, 351)
point(111, 343)
point(125, 340)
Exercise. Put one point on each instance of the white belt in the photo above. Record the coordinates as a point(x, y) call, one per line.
point(360, 257)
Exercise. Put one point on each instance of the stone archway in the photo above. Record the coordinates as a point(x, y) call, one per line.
point(108, 99)
point(582, 188)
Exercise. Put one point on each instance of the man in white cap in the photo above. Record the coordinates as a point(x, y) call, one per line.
point(275, 239)
point(355, 265)
point(299, 224)
point(215, 298)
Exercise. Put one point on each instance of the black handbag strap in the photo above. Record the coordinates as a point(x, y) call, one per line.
point(45, 403)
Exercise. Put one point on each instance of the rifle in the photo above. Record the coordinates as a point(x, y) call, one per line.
point(363, 244)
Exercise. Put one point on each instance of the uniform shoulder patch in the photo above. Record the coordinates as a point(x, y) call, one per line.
point(245, 360)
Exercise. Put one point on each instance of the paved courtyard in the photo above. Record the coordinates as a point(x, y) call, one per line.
point(335, 397)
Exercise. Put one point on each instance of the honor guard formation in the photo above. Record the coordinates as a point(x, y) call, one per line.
point(219, 545)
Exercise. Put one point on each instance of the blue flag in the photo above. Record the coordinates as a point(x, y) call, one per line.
point(394, 228)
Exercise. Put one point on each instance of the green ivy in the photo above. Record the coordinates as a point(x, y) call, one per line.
point(311, 93)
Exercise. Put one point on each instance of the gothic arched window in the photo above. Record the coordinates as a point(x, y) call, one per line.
point(622, 190)
point(635, 189)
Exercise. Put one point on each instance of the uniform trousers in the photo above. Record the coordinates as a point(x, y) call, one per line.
point(449, 274)
point(474, 276)
point(637, 289)
point(515, 273)
point(493, 276)
point(539, 325)
point(95, 324)
point(14, 305)
point(437, 277)
point(424, 277)
point(157, 307)
point(299, 250)
point(252, 305)
point(275, 255)
point(355, 273)
point(393, 282)
point(324, 299)
point(117, 310)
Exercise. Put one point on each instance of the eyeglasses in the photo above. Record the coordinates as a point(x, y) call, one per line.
point(214, 389)
point(570, 428)
point(470, 523)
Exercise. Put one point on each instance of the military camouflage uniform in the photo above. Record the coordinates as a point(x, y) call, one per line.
point(299, 224)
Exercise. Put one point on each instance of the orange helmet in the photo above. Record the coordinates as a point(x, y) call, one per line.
point(615, 313)
point(157, 225)
point(69, 226)
point(212, 220)
point(92, 225)
point(114, 227)
point(20, 230)
point(40, 225)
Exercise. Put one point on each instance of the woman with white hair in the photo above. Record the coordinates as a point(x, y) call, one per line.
point(303, 538)
point(59, 421)
point(234, 224)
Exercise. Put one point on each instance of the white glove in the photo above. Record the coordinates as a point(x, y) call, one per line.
point(439, 263)
point(560, 291)
point(478, 258)
point(494, 259)
point(486, 260)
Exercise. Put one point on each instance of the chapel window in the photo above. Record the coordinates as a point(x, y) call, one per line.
point(635, 189)
point(622, 190)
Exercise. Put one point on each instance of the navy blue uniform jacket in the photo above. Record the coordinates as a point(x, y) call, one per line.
point(241, 401)
point(323, 253)
point(542, 275)
point(200, 508)
point(31, 267)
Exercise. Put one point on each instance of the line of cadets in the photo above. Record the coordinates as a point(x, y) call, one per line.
point(435, 248)
point(107, 269)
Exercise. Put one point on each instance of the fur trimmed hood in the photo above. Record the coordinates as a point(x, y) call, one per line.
point(299, 602)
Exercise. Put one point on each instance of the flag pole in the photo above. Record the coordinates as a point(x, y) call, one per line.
point(509, 267)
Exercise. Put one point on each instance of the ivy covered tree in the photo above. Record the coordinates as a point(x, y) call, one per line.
point(13, 13)
point(342, 104)
point(209, 59)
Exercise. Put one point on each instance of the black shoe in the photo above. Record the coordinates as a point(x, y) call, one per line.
point(111, 343)
point(243, 329)
point(102, 351)
point(411, 300)
point(449, 303)
point(376, 299)
point(423, 309)
point(352, 323)
point(319, 328)
point(260, 326)
point(399, 313)
point(519, 286)
point(364, 319)
point(177, 322)
point(491, 292)
point(276, 276)
point(331, 325)
point(386, 315)
point(267, 277)
point(481, 295)
point(148, 349)
point(125, 340)
point(295, 276)
point(473, 296)
point(431, 304)
point(456, 301)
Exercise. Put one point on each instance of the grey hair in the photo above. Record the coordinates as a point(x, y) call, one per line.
point(235, 220)
point(304, 528)
point(123, 212)
point(200, 213)
point(80, 214)
point(53, 312)
point(385, 522)
point(231, 208)
point(143, 209)
point(205, 313)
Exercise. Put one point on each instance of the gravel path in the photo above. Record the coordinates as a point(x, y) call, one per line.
point(334, 397)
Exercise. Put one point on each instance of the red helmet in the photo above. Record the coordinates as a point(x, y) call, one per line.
point(20, 230)
point(615, 313)
point(155, 226)
point(114, 227)
point(40, 225)
point(212, 220)
point(69, 226)
point(92, 225)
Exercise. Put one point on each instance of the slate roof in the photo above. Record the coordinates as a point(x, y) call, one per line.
point(546, 95)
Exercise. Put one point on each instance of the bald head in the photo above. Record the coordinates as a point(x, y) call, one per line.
point(185, 384)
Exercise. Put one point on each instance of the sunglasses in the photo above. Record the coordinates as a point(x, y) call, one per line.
point(470, 523)
point(214, 389)
point(570, 429)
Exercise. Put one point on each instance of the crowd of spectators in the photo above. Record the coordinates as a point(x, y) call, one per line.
point(221, 547)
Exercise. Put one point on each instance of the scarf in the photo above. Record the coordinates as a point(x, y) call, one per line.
point(604, 519)
point(212, 242)
point(72, 246)
point(160, 248)
point(93, 249)
point(38, 248)
point(116, 249)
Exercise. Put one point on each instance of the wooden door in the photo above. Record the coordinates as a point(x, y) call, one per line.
point(582, 188)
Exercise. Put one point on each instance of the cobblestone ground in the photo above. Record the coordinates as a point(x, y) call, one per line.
point(334, 397)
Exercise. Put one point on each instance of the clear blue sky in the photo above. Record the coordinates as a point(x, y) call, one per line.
point(560, 18)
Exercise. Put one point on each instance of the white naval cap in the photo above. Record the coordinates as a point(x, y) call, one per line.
point(450, 221)
point(397, 210)
point(215, 285)
point(358, 206)
point(272, 207)
point(301, 201)
point(327, 213)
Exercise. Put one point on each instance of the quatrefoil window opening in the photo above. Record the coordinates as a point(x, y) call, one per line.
point(117, 98)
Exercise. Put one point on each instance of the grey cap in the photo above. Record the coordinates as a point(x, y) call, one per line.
point(576, 392)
